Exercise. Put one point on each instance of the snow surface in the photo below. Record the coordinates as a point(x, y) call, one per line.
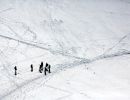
point(87, 42)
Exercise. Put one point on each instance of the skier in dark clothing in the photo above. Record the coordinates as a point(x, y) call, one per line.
point(15, 68)
point(31, 67)
point(41, 67)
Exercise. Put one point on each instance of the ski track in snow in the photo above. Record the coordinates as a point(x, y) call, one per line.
point(37, 46)
point(59, 67)
point(31, 83)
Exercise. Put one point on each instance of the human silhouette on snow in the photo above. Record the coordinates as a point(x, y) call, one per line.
point(47, 69)
point(31, 67)
point(41, 67)
point(15, 68)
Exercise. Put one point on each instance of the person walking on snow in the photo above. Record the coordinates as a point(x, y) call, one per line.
point(31, 67)
point(15, 68)
point(47, 69)
point(41, 67)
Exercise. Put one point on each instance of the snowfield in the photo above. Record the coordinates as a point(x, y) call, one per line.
point(87, 43)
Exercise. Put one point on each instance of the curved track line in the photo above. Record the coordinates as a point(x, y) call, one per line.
point(60, 67)
point(40, 47)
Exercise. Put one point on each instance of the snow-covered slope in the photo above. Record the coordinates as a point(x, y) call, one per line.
point(80, 28)
point(101, 80)
point(65, 33)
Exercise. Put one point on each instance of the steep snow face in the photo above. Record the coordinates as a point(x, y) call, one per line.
point(82, 28)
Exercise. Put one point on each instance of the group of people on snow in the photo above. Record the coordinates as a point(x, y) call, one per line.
point(46, 69)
